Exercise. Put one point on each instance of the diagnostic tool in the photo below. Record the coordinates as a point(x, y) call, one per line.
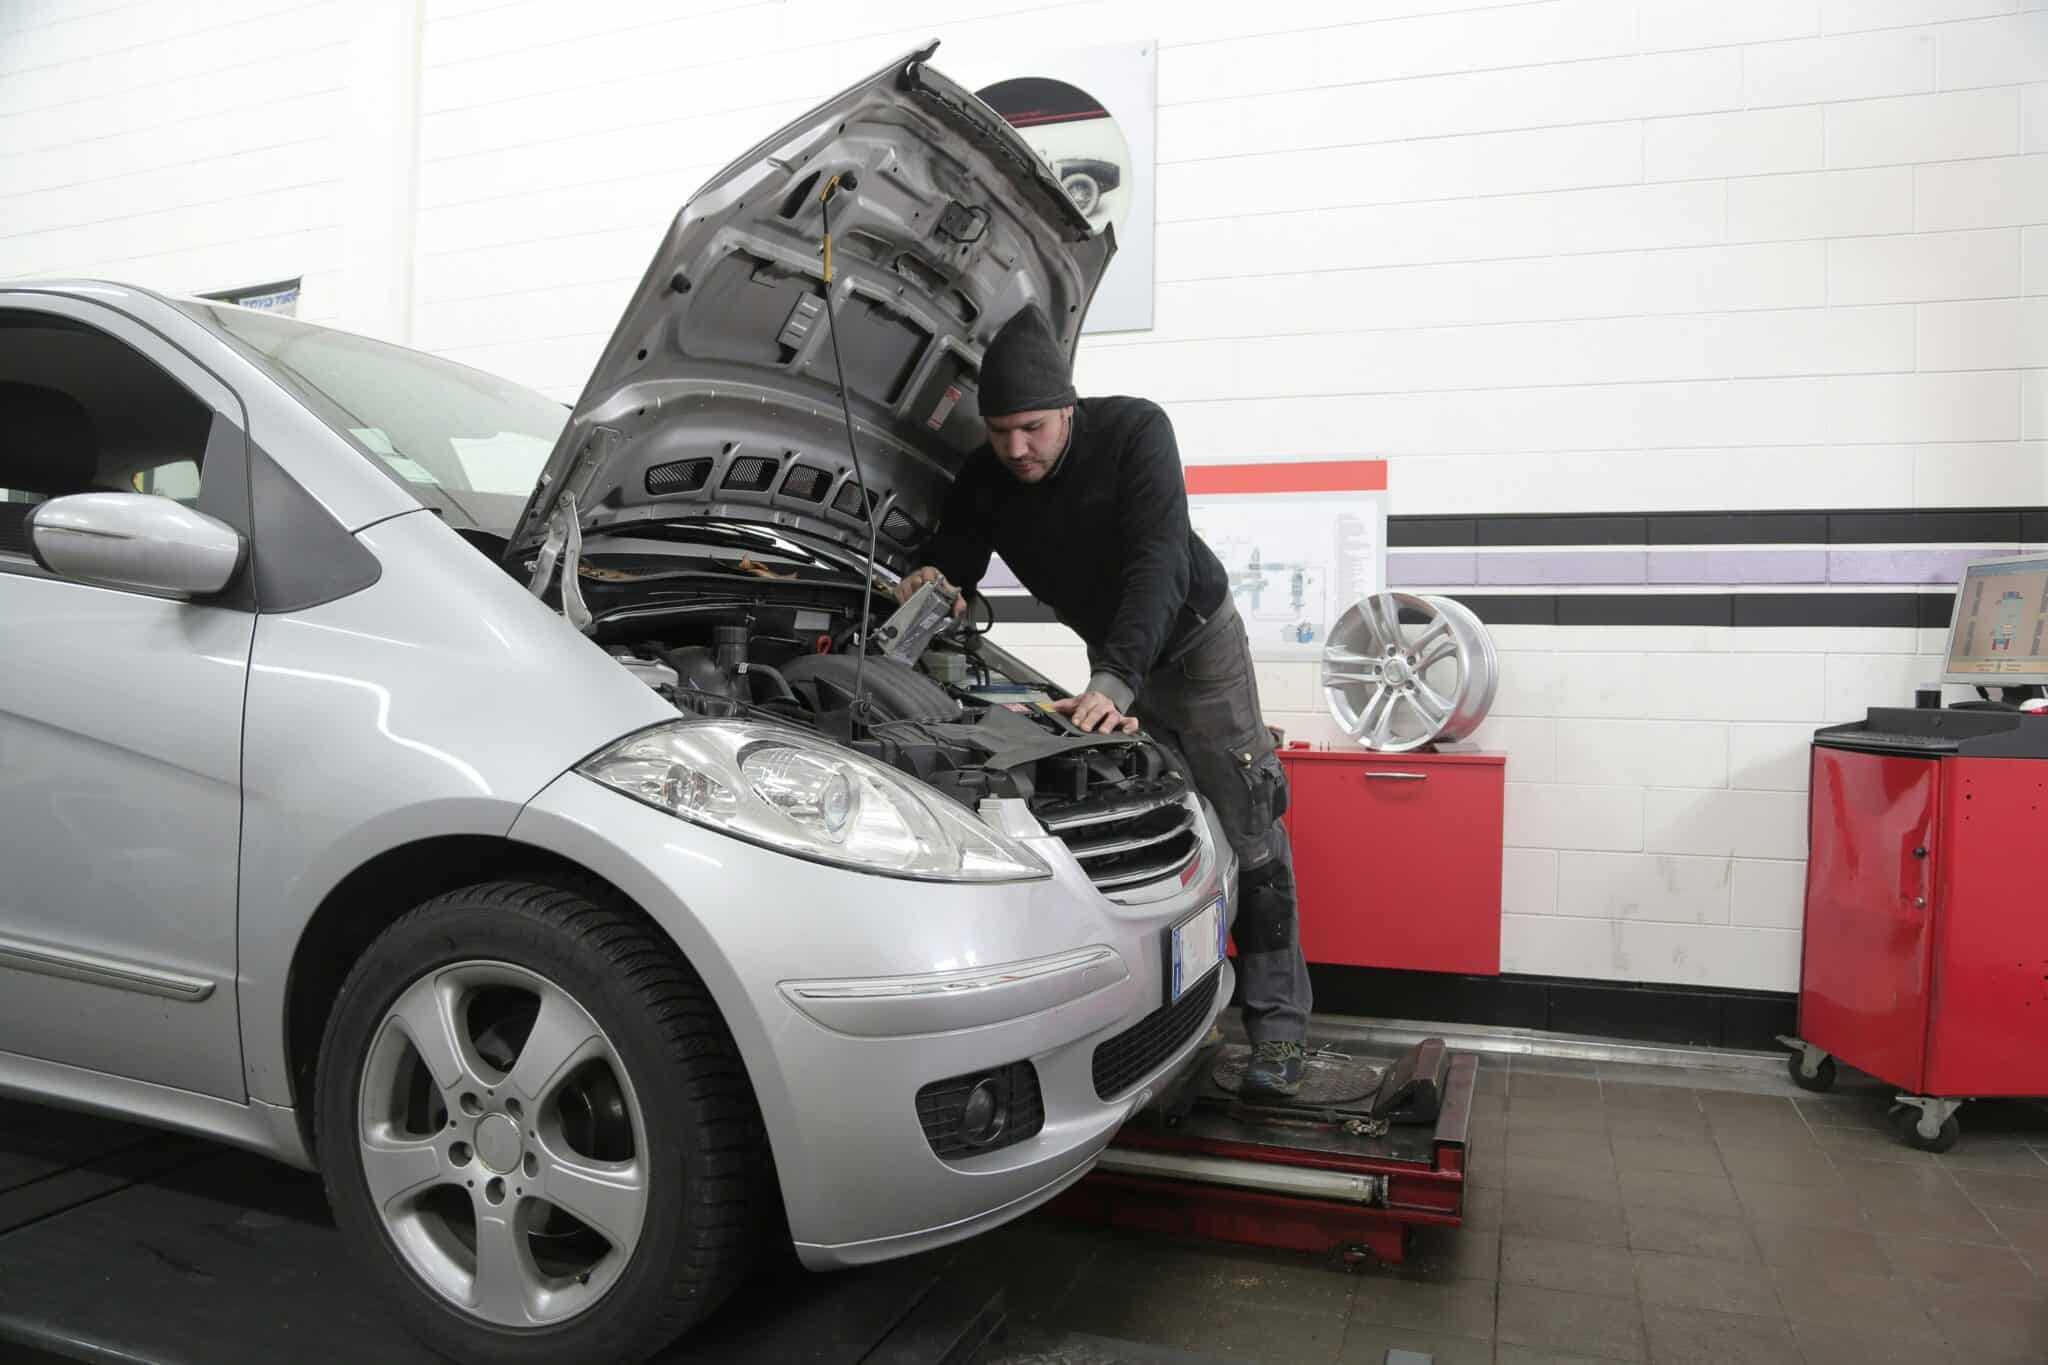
point(905, 634)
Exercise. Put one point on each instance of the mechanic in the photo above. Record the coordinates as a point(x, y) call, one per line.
point(1085, 501)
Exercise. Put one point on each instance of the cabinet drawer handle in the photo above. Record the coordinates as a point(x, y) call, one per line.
point(1405, 777)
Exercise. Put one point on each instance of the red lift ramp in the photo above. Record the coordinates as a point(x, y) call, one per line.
point(1367, 1151)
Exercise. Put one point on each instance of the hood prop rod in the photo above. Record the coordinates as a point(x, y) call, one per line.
point(564, 543)
point(860, 704)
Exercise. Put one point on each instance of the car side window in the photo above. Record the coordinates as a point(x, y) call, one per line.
point(83, 412)
point(178, 480)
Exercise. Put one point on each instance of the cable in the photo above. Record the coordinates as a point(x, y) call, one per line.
point(867, 586)
point(969, 628)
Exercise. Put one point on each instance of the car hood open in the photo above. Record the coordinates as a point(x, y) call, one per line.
point(717, 395)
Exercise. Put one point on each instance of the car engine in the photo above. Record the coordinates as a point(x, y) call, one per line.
point(967, 718)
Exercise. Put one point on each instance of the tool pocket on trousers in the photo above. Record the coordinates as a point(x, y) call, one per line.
point(1267, 800)
point(1268, 771)
point(1255, 798)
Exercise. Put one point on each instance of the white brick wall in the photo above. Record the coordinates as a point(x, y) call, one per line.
point(1647, 886)
point(1544, 255)
point(2004, 191)
point(196, 148)
point(1821, 204)
point(1769, 894)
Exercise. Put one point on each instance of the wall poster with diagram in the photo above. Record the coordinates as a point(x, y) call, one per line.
point(1300, 543)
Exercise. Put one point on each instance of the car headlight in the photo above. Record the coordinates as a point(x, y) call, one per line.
point(789, 790)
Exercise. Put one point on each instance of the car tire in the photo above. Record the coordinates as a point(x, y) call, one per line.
point(1084, 191)
point(624, 1100)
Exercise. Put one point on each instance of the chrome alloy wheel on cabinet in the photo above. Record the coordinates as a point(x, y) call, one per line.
point(1401, 671)
point(502, 1144)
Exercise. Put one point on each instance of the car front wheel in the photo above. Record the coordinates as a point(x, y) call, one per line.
point(535, 1128)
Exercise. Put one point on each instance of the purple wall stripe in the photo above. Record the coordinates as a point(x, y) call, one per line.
point(1739, 566)
point(1907, 566)
point(1562, 566)
point(1433, 568)
point(1000, 577)
point(1568, 567)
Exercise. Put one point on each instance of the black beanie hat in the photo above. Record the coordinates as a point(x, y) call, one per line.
point(1024, 369)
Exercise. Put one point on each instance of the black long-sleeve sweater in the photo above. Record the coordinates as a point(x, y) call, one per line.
point(1103, 540)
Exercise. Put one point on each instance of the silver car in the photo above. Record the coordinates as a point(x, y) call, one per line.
point(493, 806)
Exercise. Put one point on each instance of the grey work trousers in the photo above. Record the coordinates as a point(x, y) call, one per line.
point(1204, 702)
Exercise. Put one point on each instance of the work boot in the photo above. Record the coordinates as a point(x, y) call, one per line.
point(1274, 1072)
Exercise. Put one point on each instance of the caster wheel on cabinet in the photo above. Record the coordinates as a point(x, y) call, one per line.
point(1909, 1131)
point(1823, 1079)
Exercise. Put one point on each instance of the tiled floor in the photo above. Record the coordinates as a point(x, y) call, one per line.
point(1618, 1213)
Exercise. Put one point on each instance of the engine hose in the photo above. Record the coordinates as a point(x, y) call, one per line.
point(774, 675)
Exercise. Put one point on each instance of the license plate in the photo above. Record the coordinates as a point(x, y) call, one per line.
point(1193, 948)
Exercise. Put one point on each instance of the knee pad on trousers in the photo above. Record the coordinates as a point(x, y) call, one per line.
point(1265, 909)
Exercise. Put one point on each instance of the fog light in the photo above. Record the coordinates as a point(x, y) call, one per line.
point(981, 1111)
point(984, 1115)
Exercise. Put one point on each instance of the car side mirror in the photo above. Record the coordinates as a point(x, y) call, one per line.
point(135, 540)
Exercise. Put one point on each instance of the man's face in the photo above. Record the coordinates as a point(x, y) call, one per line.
point(1030, 443)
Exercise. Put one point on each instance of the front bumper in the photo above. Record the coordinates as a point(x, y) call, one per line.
point(846, 993)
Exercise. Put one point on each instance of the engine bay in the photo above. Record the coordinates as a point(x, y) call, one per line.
point(727, 636)
point(968, 719)
point(728, 619)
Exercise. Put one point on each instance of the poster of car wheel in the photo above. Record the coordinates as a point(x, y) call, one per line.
point(1090, 113)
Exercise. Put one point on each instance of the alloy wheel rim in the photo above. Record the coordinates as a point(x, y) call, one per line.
point(502, 1144)
point(1397, 685)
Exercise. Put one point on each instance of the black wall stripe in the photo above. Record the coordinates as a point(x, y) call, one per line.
point(1960, 527)
point(1422, 533)
point(1021, 609)
point(1727, 528)
point(1845, 527)
point(1642, 609)
point(1809, 609)
point(1605, 530)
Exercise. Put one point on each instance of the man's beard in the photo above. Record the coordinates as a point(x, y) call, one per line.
point(1035, 472)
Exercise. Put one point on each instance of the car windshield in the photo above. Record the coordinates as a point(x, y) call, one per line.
point(454, 435)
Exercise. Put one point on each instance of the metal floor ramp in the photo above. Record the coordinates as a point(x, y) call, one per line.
point(119, 1244)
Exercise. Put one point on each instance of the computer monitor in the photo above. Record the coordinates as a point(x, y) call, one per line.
point(1998, 636)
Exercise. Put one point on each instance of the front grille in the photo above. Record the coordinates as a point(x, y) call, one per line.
point(1122, 814)
point(679, 476)
point(941, 1104)
point(1128, 1058)
point(1132, 849)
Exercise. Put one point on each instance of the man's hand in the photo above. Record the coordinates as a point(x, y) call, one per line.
point(1095, 713)
point(917, 578)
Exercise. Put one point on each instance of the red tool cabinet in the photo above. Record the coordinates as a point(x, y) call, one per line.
point(1397, 857)
point(1925, 959)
